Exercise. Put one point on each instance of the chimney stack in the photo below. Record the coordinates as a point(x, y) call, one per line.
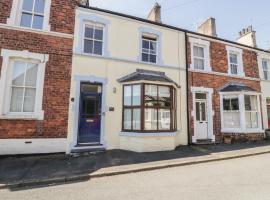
point(155, 14)
point(208, 27)
point(247, 36)
point(84, 2)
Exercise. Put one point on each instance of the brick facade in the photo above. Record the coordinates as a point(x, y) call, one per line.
point(216, 80)
point(57, 72)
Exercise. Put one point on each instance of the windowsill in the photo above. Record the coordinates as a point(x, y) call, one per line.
point(242, 131)
point(21, 117)
point(236, 75)
point(142, 134)
point(208, 69)
point(41, 31)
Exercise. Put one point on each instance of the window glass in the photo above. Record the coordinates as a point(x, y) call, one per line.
point(230, 104)
point(32, 14)
point(164, 97)
point(127, 95)
point(39, 6)
point(233, 63)
point(93, 39)
point(199, 60)
point(164, 117)
point(38, 22)
point(127, 119)
point(136, 119)
point(23, 88)
point(150, 119)
point(149, 49)
point(151, 95)
point(28, 5)
point(266, 71)
point(200, 95)
point(198, 116)
point(231, 113)
point(136, 95)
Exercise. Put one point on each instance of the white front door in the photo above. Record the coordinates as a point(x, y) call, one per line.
point(201, 118)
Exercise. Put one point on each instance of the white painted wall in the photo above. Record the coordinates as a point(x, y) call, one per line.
point(122, 59)
point(32, 146)
point(265, 87)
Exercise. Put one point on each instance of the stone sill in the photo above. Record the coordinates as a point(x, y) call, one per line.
point(142, 135)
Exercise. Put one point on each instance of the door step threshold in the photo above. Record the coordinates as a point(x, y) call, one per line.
point(204, 141)
point(88, 150)
point(88, 145)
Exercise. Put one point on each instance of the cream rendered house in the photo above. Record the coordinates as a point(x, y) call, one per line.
point(128, 88)
point(264, 69)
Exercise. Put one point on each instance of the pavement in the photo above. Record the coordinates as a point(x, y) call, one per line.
point(245, 178)
point(22, 171)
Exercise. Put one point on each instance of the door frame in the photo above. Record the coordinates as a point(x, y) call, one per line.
point(76, 111)
point(210, 111)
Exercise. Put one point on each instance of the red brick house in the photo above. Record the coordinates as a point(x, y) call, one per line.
point(224, 89)
point(36, 40)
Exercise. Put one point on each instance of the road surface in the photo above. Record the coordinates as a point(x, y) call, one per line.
point(244, 178)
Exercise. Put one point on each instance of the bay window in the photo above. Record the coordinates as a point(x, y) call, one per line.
point(149, 108)
point(231, 112)
point(240, 112)
point(251, 107)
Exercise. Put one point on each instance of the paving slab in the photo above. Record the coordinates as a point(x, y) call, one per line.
point(21, 171)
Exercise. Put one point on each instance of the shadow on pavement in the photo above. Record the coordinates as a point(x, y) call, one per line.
point(14, 169)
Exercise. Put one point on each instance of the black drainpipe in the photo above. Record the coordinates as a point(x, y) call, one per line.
point(186, 48)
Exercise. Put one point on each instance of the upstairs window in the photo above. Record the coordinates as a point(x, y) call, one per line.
point(93, 39)
point(199, 57)
point(266, 69)
point(32, 14)
point(149, 49)
point(233, 63)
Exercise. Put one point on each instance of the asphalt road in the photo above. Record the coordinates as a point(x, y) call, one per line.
point(244, 178)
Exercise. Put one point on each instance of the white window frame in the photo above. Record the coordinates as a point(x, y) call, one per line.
point(16, 14)
point(9, 56)
point(239, 53)
point(267, 70)
point(206, 47)
point(241, 98)
point(149, 53)
point(94, 24)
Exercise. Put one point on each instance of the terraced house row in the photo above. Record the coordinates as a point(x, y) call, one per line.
point(76, 78)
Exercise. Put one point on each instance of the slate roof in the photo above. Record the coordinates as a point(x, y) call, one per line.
point(233, 87)
point(146, 75)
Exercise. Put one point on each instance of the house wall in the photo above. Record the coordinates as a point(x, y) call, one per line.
point(218, 78)
point(122, 58)
point(265, 86)
point(21, 135)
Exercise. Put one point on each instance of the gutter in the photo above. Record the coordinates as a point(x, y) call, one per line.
point(187, 84)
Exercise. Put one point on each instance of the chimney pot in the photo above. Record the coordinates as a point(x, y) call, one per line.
point(247, 37)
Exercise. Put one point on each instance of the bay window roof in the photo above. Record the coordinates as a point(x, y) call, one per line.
point(234, 87)
point(147, 75)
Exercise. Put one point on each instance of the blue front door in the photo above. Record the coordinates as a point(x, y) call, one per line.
point(90, 114)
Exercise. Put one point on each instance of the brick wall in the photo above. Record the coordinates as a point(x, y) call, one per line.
point(62, 14)
point(57, 72)
point(219, 63)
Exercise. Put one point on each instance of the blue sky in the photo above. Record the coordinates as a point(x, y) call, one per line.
point(231, 15)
